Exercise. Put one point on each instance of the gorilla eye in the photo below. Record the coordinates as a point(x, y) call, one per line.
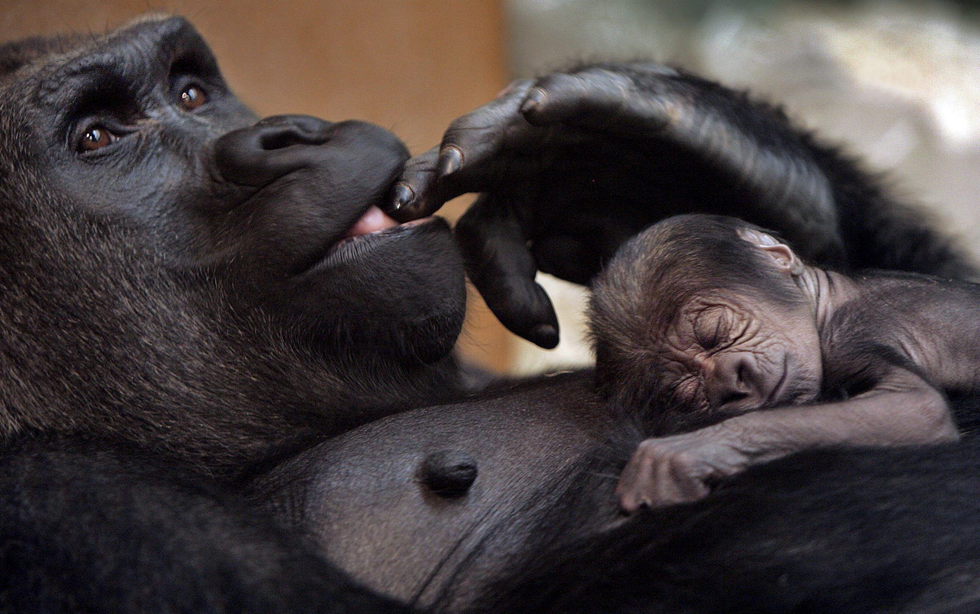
point(713, 327)
point(96, 137)
point(192, 97)
point(709, 334)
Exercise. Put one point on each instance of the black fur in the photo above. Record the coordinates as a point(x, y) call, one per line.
point(174, 321)
point(91, 527)
point(771, 540)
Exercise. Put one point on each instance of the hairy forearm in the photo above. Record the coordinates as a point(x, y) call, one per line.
point(681, 467)
point(752, 142)
point(878, 418)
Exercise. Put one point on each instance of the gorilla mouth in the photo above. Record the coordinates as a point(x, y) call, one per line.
point(372, 228)
point(373, 220)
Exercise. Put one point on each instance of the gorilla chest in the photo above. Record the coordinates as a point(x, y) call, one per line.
point(430, 505)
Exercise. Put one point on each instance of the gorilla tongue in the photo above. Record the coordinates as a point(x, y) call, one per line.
point(373, 220)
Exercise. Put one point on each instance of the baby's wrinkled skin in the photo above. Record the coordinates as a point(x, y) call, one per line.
point(708, 318)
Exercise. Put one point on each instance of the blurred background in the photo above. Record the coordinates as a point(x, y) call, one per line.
point(896, 82)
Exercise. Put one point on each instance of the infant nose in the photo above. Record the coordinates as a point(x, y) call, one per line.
point(728, 381)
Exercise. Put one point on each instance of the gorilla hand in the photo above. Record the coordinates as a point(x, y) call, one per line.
point(573, 164)
point(679, 468)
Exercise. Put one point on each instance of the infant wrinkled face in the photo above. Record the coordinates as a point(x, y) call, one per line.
point(731, 352)
point(703, 316)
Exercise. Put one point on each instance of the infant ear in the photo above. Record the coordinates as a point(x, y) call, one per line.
point(780, 253)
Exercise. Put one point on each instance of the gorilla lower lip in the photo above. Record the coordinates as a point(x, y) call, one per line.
point(368, 232)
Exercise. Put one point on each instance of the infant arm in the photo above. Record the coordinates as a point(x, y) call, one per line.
point(901, 408)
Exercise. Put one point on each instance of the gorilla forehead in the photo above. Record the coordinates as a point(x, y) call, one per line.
point(130, 49)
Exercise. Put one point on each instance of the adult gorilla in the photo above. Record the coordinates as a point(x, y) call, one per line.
point(190, 301)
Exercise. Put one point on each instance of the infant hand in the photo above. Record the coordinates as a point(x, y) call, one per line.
point(677, 469)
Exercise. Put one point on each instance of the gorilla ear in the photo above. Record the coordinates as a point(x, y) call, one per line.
point(781, 254)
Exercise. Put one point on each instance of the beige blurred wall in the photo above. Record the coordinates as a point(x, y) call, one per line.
point(409, 65)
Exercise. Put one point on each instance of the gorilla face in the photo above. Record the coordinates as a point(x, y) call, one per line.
point(140, 129)
point(173, 271)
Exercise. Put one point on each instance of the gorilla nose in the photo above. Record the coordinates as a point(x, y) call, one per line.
point(284, 130)
point(259, 154)
point(729, 381)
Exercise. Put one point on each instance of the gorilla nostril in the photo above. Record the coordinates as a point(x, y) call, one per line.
point(253, 156)
point(729, 380)
point(742, 374)
point(281, 131)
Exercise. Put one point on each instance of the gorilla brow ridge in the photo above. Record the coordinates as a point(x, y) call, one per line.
point(15, 55)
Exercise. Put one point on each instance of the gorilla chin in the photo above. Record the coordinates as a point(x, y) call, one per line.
point(397, 292)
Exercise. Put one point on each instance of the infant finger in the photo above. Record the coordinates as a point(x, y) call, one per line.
point(634, 487)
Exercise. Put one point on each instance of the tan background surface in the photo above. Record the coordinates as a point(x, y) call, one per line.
point(409, 65)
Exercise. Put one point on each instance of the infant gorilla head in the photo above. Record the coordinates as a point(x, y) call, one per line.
point(704, 317)
point(166, 260)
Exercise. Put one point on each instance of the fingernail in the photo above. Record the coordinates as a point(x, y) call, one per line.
point(544, 335)
point(450, 159)
point(535, 98)
point(402, 195)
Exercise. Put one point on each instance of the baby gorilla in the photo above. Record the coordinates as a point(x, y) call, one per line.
point(701, 319)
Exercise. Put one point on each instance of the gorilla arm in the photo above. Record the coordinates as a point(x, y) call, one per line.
point(573, 164)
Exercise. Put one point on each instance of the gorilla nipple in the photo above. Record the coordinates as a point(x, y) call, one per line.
point(448, 473)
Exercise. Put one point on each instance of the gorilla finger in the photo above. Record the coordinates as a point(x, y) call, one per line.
point(596, 99)
point(501, 267)
point(561, 97)
point(523, 307)
point(650, 491)
point(418, 191)
point(630, 489)
point(687, 486)
point(476, 138)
